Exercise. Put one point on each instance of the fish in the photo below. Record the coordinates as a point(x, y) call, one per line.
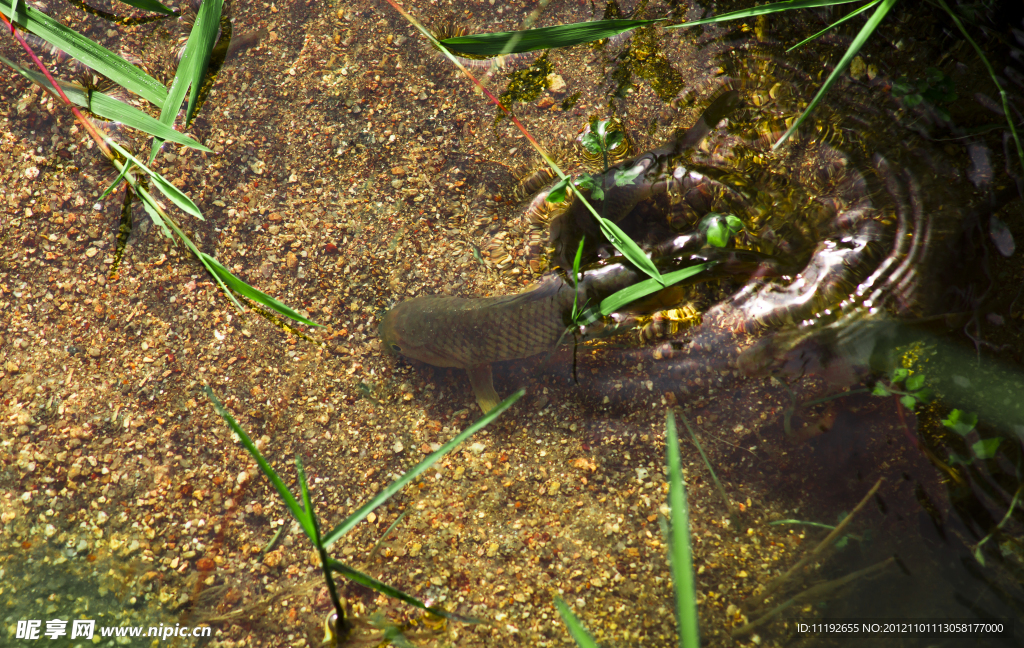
point(472, 333)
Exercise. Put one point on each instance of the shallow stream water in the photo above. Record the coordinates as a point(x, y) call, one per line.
point(354, 168)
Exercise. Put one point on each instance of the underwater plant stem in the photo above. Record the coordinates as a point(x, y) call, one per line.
point(992, 75)
point(810, 595)
point(823, 545)
point(86, 124)
point(718, 484)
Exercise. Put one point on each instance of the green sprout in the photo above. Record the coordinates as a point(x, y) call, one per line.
point(720, 228)
point(963, 423)
point(304, 514)
point(913, 393)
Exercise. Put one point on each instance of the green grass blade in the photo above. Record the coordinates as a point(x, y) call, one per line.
point(804, 523)
point(173, 193)
point(282, 490)
point(630, 249)
point(637, 291)
point(858, 42)
point(205, 34)
point(528, 40)
point(681, 558)
point(853, 13)
point(576, 629)
point(92, 54)
point(192, 66)
point(249, 292)
point(349, 523)
point(762, 10)
point(307, 504)
point(392, 592)
point(150, 5)
point(109, 108)
point(995, 80)
point(117, 180)
point(154, 213)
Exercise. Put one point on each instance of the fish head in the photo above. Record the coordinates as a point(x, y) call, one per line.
point(409, 330)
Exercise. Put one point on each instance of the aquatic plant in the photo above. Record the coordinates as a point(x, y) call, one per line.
point(306, 516)
point(680, 555)
point(138, 177)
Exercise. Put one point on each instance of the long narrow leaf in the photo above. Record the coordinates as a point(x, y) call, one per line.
point(576, 629)
point(760, 11)
point(681, 558)
point(308, 520)
point(150, 5)
point(192, 67)
point(249, 292)
point(629, 249)
point(858, 10)
point(637, 291)
point(282, 490)
point(349, 523)
point(862, 37)
point(995, 80)
point(117, 180)
point(173, 193)
point(108, 107)
point(152, 209)
point(92, 54)
point(393, 592)
point(528, 40)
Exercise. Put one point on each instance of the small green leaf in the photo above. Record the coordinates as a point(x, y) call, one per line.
point(961, 422)
point(912, 100)
point(734, 222)
point(576, 629)
point(923, 395)
point(629, 248)
point(842, 542)
point(558, 192)
point(149, 5)
point(624, 177)
point(613, 139)
point(908, 401)
point(592, 142)
point(585, 182)
point(597, 193)
point(880, 390)
point(986, 448)
point(898, 375)
point(980, 557)
point(244, 289)
point(173, 193)
point(915, 382)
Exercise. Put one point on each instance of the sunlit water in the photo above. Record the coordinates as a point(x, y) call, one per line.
point(878, 253)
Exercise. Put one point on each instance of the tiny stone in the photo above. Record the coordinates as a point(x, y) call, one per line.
point(414, 550)
point(398, 447)
point(398, 171)
point(94, 352)
point(555, 83)
point(397, 184)
point(458, 473)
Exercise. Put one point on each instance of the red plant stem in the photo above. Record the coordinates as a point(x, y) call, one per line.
point(88, 125)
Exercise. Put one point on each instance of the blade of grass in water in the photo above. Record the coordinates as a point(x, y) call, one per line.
point(393, 592)
point(760, 11)
point(576, 629)
point(92, 54)
point(286, 495)
point(418, 469)
point(174, 194)
point(637, 291)
point(150, 5)
point(254, 294)
point(995, 80)
point(681, 557)
point(108, 107)
point(853, 13)
point(869, 27)
point(192, 67)
point(528, 40)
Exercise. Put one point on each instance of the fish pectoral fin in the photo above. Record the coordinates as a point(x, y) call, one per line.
point(483, 387)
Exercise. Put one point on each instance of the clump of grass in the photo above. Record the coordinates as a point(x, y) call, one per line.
point(137, 176)
point(306, 516)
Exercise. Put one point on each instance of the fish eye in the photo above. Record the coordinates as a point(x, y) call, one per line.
point(396, 348)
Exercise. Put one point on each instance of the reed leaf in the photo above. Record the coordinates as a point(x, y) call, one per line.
point(528, 40)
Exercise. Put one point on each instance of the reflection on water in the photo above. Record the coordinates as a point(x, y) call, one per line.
point(869, 268)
